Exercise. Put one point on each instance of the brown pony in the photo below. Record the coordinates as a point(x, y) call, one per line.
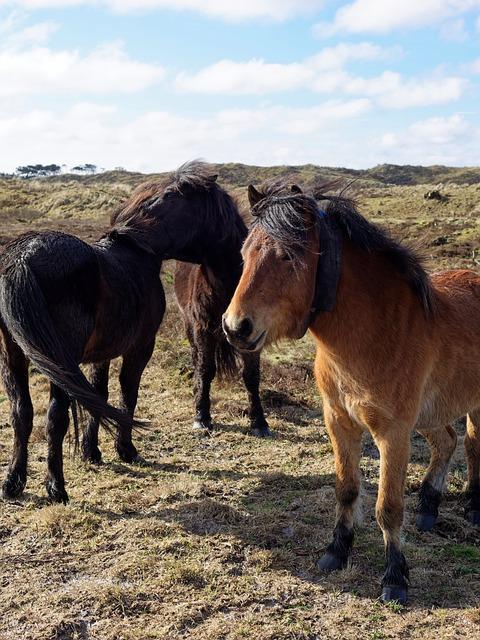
point(396, 351)
point(203, 292)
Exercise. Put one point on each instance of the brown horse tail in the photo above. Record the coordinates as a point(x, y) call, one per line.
point(25, 313)
point(227, 359)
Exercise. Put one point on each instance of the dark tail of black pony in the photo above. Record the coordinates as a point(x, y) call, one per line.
point(25, 313)
point(227, 360)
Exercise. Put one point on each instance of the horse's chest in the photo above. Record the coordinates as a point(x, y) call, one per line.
point(350, 395)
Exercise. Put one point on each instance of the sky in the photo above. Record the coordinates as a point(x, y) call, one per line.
point(149, 84)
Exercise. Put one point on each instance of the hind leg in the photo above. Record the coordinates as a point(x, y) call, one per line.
point(14, 369)
point(251, 379)
point(134, 363)
point(57, 427)
point(203, 344)
point(442, 443)
point(99, 379)
point(472, 451)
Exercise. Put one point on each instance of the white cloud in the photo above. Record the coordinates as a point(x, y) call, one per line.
point(161, 140)
point(332, 133)
point(475, 66)
point(454, 30)
point(231, 10)
point(394, 92)
point(34, 35)
point(252, 77)
point(259, 77)
point(324, 73)
point(439, 140)
point(38, 69)
point(383, 16)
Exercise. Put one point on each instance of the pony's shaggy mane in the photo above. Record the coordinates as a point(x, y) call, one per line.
point(194, 180)
point(288, 216)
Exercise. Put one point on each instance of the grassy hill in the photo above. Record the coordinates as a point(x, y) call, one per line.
point(216, 538)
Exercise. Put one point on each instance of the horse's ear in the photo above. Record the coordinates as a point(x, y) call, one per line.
point(295, 189)
point(213, 178)
point(254, 196)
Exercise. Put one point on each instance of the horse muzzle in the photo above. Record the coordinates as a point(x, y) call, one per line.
point(240, 333)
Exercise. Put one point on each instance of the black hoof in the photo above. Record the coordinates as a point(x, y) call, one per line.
point(94, 456)
point(263, 432)
point(473, 517)
point(127, 455)
point(202, 425)
point(140, 461)
point(329, 562)
point(426, 521)
point(13, 487)
point(394, 593)
point(56, 493)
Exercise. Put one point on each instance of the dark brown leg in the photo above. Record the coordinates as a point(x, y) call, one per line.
point(99, 379)
point(442, 443)
point(134, 363)
point(57, 427)
point(251, 379)
point(472, 451)
point(346, 438)
point(203, 355)
point(14, 369)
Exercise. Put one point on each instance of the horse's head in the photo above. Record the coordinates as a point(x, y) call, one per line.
point(275, 293)
point(181, 217)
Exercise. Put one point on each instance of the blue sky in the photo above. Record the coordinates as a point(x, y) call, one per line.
point(148, 84)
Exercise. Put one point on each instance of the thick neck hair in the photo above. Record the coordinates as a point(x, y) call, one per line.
point(288, 217)
point(194, 182)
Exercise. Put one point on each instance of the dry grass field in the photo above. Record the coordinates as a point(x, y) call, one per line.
point(216, 538)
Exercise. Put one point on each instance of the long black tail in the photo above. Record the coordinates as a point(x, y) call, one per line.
point(25, 313)
point(227, 360)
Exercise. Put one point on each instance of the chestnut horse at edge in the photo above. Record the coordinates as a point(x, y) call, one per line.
point(397, 350)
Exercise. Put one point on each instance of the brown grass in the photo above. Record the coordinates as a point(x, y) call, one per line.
point(217, 537)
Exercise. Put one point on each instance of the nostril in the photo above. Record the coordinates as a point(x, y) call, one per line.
point(225, 328)
point(245, 328)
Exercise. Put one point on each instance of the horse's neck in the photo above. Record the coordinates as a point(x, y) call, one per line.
point(373, 305)
point(127, 262)
point(222, 265)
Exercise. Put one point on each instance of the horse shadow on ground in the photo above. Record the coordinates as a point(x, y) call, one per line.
point(288, 520)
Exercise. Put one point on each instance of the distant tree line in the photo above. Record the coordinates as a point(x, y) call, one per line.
point(85, 168)
point(38, 170)
point(47, 170)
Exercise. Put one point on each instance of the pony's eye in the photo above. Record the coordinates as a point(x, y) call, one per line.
point(287, 257)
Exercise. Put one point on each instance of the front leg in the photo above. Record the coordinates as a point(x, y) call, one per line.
point(251, 379)
point(133, 365)
point(346, 439)
point(99, 379)
point(394, 445)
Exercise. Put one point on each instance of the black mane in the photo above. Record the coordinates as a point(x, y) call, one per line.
point(194, 180)
point(288, 216)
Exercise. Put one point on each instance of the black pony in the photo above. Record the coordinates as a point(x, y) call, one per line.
point(64, 302)
point(203, 293)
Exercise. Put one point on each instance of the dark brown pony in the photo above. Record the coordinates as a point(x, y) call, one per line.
point(64, 302)
point(396, 351)
point(203, 292)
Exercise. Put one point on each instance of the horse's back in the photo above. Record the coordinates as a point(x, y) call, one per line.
point(457, 294)
point(64, 267)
